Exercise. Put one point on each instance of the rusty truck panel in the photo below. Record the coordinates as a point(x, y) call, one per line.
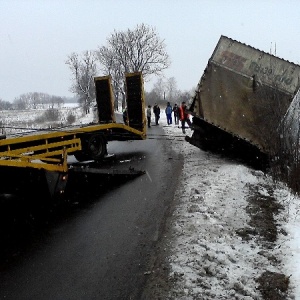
point(244, 92)
point(250, 62)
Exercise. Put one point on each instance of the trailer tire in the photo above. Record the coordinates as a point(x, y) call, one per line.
point(93, 148)
point(97, 147)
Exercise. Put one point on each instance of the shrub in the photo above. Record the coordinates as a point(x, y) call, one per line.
point(71, 118)
point(50, 115)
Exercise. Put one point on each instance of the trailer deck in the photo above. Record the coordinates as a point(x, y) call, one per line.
point(49, 150)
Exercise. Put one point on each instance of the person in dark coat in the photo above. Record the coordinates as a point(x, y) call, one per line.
point(176, 114)
point(156, 111)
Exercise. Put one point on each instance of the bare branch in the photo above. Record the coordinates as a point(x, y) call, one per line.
point(83, 69)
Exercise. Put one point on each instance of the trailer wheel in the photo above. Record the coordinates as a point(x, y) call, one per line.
point(93, 148)
point(96, 148)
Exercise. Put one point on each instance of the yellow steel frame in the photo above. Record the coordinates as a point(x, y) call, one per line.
point(13, 154)
point(40, 150)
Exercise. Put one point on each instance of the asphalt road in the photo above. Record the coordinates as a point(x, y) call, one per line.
point(98, 244)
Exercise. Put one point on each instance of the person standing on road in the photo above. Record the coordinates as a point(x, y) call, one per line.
point(156, 111)
point(184, 116)
point(176, 114)
point(168, 111)
point(149, 116)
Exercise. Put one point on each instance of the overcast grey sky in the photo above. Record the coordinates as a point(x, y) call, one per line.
point(36, 36)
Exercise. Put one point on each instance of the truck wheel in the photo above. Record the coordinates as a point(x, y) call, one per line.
point(96, 148)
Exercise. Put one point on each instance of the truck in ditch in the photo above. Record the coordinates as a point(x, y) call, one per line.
point(246, 102)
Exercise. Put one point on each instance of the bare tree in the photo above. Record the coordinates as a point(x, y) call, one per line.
point(159, 88)
point(56, 101)
point(151, 97)
point(35, 100)
point(111, 66)
point(23, 102)
point(4, 105)
point(166, 90)
point(137, 50)
point(185, 96)
point(171, 87)
point(83, 69)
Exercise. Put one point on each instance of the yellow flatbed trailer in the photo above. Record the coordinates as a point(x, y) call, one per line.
point(47, 151)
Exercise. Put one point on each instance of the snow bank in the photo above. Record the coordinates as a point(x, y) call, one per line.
point(208, 258)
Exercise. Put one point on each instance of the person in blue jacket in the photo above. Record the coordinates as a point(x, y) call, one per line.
point(168, 111)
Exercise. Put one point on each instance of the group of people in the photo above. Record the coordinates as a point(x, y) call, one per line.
point(179, 112)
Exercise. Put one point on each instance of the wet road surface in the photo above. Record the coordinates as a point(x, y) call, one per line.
point(98, 243)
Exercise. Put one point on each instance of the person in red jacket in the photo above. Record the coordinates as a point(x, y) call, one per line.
point(184, 116)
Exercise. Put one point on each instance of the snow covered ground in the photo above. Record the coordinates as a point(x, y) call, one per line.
point(219, 246)
point(20, 121)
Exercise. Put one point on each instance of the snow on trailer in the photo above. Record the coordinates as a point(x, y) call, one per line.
point(242, 98)
point(44, 153)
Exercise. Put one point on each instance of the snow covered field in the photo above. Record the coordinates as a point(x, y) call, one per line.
point(233, 234)
point(20, 121)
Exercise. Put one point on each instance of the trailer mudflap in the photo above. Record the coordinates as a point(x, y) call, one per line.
point(57, 182)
